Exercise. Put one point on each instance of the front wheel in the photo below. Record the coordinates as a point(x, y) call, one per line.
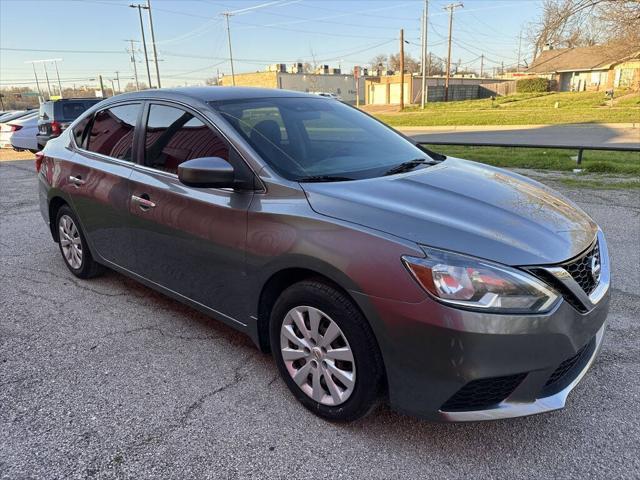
point(326, 351)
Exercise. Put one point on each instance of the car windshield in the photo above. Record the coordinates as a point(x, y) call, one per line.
point(315, 139)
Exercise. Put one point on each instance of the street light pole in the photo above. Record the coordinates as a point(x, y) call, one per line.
point(46, 75)
point(153, 43)
point(35, 74)
point(55, 62)
point(144, 41)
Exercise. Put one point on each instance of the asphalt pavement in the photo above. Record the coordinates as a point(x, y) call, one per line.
point(108, 379)
point(587, 135)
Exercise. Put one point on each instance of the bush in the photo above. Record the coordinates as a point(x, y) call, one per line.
point(532, 85)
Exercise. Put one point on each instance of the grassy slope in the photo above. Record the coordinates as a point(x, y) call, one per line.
point(624, 163)
point(522, 109)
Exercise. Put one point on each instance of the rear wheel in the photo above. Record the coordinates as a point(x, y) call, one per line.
point(326, 352)
point(73, 245)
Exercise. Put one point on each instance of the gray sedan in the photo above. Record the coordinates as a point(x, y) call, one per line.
point(373, 269)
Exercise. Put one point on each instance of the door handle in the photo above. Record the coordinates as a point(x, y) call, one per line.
point(77, 181)
point(143, 201)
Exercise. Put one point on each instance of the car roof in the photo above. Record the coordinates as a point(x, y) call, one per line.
point(213, 94)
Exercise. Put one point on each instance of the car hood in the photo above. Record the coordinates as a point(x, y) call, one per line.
point(465, 207)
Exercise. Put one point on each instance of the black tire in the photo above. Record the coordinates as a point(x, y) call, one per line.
point(369, 368)
point(88, 268)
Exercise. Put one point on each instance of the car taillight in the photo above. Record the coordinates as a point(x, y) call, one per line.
point(56, 128)
point(38, 161)
point(15, 128)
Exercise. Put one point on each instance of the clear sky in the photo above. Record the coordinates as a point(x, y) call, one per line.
point(89, 35)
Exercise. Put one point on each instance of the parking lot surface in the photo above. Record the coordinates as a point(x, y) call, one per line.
point(108, 379)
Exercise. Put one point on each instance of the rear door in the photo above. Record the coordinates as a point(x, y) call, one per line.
point(188, 240)
point(98, 180)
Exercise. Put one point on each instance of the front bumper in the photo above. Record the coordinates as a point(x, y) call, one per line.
point(513, 408)
point(433, 351)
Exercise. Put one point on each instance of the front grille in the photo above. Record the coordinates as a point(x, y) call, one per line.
point(567, 370)
point(580, 269)
point(483, 394)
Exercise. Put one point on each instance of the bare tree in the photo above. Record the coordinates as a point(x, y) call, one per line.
point(411, 65)
point(579, 23)
point(379, 60)
point(621, 20)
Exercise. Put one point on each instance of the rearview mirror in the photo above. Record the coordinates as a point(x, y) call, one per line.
point(207, 172)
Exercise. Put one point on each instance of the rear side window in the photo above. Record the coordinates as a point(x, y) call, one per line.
point(46, 111)
point(174, 136)
point(71, 110)
point(112, 131)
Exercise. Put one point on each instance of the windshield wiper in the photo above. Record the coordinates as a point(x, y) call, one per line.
point(324, 178)
point(408, 166)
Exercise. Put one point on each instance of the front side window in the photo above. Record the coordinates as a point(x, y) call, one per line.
point(174, 136)
point(112, 131)
point(303, 138)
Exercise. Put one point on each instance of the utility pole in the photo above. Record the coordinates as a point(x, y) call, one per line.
point(401, 69)
point(451, 7)
point(135, 68)
point(144, 41)
point(481, 64)
point(519, 50)
point(118, 80)
point(153, 43)
point(113, 87)
point(55, 62)
point(233, 75)
point(425, 22)
point(502, 68)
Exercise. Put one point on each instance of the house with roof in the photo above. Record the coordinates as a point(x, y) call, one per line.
point(590, 68)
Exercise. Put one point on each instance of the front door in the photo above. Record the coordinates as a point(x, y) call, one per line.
point(189, 240)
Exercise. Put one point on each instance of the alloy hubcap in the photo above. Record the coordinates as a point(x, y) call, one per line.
point(317, 355)
point(70, 242)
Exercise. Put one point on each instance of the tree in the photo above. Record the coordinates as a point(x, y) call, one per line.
point(582, 23)
point(621, 21)
point(411, 65)
point(379, 60)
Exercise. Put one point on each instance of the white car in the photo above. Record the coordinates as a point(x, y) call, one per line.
point(23, 134)
point(5, 125)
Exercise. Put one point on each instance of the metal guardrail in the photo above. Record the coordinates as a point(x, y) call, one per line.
point(579, 148)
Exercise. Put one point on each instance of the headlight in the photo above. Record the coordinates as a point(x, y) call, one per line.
point(479, 284)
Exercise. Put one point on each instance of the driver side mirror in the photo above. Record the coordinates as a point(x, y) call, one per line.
point(207, 172)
